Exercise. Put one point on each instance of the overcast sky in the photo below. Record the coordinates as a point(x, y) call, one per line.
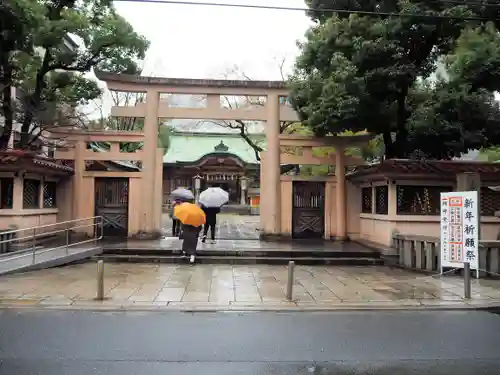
point(194, 41)
point(189, 41)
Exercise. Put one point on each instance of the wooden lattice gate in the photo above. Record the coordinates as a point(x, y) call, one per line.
point(111, 202)
point(308, 213)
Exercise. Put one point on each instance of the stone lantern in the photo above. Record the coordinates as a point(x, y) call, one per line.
point(244, 188)
point(197, 187)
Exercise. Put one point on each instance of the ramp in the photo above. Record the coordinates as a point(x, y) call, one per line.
point(50, 245)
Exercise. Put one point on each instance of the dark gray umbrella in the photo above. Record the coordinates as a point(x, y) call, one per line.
point(182, 194)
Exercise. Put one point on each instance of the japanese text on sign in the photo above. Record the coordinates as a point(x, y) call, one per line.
point(459, 229)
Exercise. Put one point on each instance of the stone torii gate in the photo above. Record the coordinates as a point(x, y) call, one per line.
point(145, 196)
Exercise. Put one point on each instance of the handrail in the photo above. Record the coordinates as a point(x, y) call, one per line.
point(41, 234)
point(96, 223)
point(51, 225)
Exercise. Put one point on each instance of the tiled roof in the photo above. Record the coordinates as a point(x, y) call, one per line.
point(190, 147)
point(27, 159)
point(431, 168)
point(101, 147)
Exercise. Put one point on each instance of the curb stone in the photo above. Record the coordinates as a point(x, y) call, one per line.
point(292, 307)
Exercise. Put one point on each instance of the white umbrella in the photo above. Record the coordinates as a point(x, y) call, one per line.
point(182, 194)
point(214, 197)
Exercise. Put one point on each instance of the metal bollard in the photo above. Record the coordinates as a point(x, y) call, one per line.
point(289, 282)
point(467, 281)
point(4, 245)
point(33, 246)
point(67, 241)
point(100, 280)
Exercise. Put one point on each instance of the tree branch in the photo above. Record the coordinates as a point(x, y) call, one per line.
point(83, 66)
point(282, 69)
point(241, 126)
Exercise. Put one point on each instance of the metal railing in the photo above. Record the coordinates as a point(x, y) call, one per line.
point(40, 239)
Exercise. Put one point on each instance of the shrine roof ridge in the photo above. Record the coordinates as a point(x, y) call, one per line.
point(217, 83)
point(189, 147)
point(214, 134)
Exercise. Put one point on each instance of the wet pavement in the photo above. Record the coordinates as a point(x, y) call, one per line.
point(174, 243)
point(226, 287)
point(229, 226)
point(343, 343)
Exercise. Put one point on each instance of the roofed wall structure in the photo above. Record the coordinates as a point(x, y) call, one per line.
point(445, 170)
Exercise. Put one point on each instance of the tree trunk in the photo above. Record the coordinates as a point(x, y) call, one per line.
point(398, 149)
point(402, 132)
point(33, 102)
point(256, 149)
point(388, 146)
point(32, 105)
point(7, 105)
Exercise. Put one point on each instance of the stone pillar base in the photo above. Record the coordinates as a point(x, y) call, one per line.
point(154, 235)
point(340, 238)
point(273, 237)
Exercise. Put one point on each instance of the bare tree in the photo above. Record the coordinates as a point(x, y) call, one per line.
point(50, 124)
point(124, 99)
point(128, 99)
point(119, 98)
point(241, 126)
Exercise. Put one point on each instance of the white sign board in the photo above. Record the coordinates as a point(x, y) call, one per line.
point(459, 229)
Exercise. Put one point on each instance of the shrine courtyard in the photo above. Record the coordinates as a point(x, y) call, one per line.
point(229, 226)
point(207, 287)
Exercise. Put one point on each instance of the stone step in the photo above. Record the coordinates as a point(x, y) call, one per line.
point(241, 252)
point(237, 209)
point(271, 260)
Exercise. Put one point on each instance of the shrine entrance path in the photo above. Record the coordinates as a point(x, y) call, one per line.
point(229, 226)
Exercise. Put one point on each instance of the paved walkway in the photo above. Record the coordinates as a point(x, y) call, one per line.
point(229, 226)
point(224, 287)
point(174, 243)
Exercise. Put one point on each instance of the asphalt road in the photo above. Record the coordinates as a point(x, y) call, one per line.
point(375, 343)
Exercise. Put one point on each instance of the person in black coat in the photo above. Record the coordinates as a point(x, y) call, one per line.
point(190, 241)
point(211, 222)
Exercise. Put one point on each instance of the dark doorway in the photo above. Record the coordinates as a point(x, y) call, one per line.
point(111, 202)
point(308, 209)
